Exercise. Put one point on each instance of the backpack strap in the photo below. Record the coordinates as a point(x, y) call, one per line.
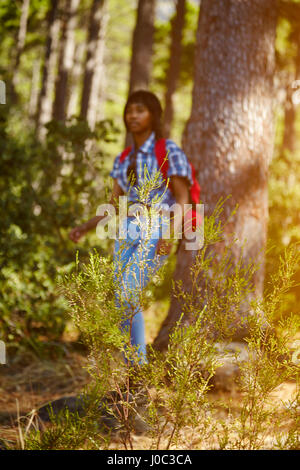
point(125, 153)
point(160, 152)
point(163, 164)
point(195, 189)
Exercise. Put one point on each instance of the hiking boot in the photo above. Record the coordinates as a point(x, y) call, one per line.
point(74, 403)
point(108, 414)
point(114, 403)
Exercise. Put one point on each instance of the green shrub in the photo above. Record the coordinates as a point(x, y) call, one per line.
point(177, 384)
point(44, 190)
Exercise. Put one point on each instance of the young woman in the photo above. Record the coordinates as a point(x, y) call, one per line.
point(142, 118)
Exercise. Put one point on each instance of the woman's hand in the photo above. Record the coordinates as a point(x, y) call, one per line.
point(164, 247)
point(81, 230)
point(77, 232)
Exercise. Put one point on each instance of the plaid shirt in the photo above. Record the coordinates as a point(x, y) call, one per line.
point(178, 165)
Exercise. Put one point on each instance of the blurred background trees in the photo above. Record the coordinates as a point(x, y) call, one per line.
point(229, 135)
point(69, 66)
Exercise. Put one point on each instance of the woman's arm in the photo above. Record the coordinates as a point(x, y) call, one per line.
point(78, 232)
point(182, 197)
point(180, 191)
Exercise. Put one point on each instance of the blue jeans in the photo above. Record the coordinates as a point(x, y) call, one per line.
point(135, 264)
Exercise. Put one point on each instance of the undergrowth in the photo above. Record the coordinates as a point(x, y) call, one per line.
point(175, 386)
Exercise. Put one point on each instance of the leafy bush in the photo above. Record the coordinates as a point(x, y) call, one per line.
point(176, 385)
point(44, 192)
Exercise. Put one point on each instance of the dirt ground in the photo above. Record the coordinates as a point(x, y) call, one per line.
point(27, 383)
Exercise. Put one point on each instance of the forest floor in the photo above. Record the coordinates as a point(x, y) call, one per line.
point(26, 383)
point(26, 387)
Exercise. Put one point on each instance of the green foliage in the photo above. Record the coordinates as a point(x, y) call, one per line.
point(268, 366)
point(69, 431)
point(176, 385)
point(283, 228)
point(182, 97)
point(162, 48)
point(284, 187)
point(44, 190)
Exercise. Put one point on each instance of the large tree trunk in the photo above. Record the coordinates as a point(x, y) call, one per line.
point(66, 59)
point(142, 44)
point(229, 136)
point(174, 66)
point(44, 107)
point(94, 61)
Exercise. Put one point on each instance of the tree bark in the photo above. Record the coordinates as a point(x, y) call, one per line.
point(20, 45)
point(95, 110)
point(288, 142)
point(289, 10)
point(66, 59)
point(229, 136)
point(34, 92)
point(94, 66)
point(75, 78)
point(174, 67)
point(44, 107)
point(142, 45)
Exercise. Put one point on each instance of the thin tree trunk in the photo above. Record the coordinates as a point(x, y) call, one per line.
point(20, 44)
point(75, 77)
point(94, 62)
point(34, 92)
point(44, 108)
point(174, 67)
point(96, 98)
point(229, 136)
point(101, 82)
point(66, 59)
point(288, 142)
point(142, 45)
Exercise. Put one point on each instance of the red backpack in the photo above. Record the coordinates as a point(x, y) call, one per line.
point(163, 164)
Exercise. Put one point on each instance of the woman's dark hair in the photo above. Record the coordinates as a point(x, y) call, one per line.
point(152, 103)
